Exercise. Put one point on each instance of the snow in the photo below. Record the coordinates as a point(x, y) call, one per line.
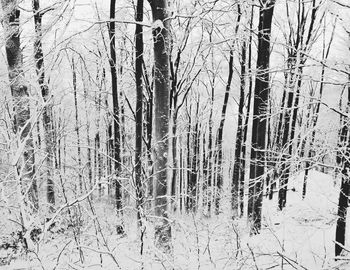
point(299, 237)
point(157, 24)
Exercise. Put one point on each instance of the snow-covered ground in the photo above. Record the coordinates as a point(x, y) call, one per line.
point(299, 237)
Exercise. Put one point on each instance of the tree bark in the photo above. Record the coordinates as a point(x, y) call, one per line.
point(25, 166)
point(139, 116)
point(116, 122)
point(220, 135)
point(344, 193)
point(161, 43)
point(245, 132)
point(45, 93)
point(296, 61)
point(239, 136)
point(77, 125)
point(261, 95)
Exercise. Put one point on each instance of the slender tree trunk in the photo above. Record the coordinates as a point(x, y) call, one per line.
point(139, 118)
point(282, 192)
point(325, 54)
point(161, 43)
point(20, 96)
point(344, 193)
point(181, 178)
point(116, 122)
point(261, 95)
point(193, 168)
point(47, 113)
point(77, 125)
point(296, 62)
point(245, 132)
point(209, 182)
point(239, 136)
point(220, 135)
point(88, 139)
point(148, 130)
point(189, 202)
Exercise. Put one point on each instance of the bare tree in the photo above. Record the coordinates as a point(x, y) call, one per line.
point(25, 165)
point(344, 193)
point(139, 117)
point(161, 43)
point(45, 93)
point(116, 122)
point(261, 95)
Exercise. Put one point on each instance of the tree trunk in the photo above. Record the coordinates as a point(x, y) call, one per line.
point(239, 136)
point(88, 140)
point(25, 166)
point(47, 112)
point(261, 95)
point(245, 132)
point(296, 61)
point(139, 117)
point(161, 42)
point(343, 202)
point(220, 135)
point(77, 125)
point(325, 53)
point(282, 192)
point(116, 122)
point(193, 168)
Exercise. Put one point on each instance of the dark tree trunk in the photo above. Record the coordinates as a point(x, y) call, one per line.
point(161, 42)
point(343, 202)
point(139, 115)
point(77, 125)
point(261, 95)
point(47, 113)
point(296, 61)
point(116, 122)
point(88, 139)
point(282, 192)
point(239, 136)
point(193, 166)
point(19, 91)
point(209, 161)
point(148, 130)
point(245, 130)
point(220, 135)
point(188, 162)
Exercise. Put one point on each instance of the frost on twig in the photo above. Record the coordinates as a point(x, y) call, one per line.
point(157, 24)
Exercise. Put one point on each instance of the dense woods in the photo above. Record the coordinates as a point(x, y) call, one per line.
point(174, 134)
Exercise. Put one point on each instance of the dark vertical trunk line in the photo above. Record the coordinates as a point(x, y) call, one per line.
point(344, 193)
point(296, 62)
point(148, 129)
point(189, 164)
point(239, 135)
point(139, 119)
point(21, 103)
point(193, 181)
point(88, 139)
point(181, 178)
point(47, 112)
point(77, 125)
point(220, 135)
point(245, 131)
point(116, 122)
point(161, 45)
point(261, 95)
point(282, 192)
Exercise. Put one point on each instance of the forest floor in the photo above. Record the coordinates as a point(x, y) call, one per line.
point(299, 237)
